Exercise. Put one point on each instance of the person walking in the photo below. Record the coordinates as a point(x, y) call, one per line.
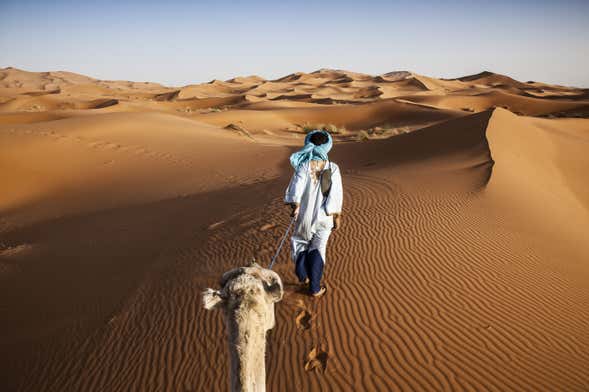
point(315, 195)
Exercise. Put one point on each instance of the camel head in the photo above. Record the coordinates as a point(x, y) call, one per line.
point(247, 297)
point(251, 288)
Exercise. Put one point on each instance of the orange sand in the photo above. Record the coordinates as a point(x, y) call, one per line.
point(461, 263)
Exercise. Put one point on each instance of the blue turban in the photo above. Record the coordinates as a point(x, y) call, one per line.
point(311, 152)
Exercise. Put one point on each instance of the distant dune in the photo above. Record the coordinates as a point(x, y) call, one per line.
point(461, 263)
point(71, 94)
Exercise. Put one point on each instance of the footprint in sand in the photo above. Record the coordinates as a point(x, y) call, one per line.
point(303, 320)
point(15, 250)
point(215, 225)
point(316, 359)
point(267, 226)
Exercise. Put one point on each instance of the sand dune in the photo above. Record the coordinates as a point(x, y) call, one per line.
point(71, 93)
point(119, 158)
point(461, 264)
point(520, 104)
point(13, 78)
point(492, 79)
point(389, 114)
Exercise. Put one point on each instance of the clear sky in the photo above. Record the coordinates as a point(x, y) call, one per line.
point(181, 42)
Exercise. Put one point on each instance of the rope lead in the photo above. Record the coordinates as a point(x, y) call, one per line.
point(282, 242)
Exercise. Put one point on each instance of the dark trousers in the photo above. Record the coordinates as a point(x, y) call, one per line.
point(309, 264)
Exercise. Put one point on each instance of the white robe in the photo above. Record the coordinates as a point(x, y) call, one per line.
point(315, 221)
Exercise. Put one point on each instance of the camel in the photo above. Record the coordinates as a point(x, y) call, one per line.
point(247, 297)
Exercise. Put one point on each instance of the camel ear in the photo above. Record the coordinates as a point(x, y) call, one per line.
point(273, 288)
point(212, 299)
point(227, 276)
point(253, 263)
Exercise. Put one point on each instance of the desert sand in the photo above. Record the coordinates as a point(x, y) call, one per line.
point(462, 263)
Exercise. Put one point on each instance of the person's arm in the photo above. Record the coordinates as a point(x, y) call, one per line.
point(295, 189)
point(333, 204)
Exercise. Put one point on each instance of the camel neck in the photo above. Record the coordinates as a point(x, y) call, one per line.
point(247, 346)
